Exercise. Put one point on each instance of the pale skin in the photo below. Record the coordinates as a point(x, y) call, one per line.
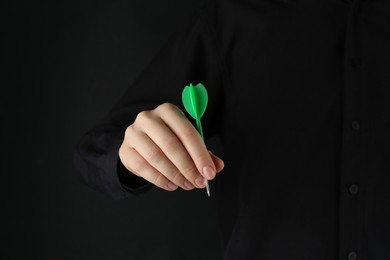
point(163, 147)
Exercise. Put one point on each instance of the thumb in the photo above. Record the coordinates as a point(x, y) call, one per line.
point(218, 162)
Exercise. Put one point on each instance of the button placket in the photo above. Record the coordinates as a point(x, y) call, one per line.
point(354, 103)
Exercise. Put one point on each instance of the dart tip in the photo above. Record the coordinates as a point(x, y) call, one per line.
point(207, 188)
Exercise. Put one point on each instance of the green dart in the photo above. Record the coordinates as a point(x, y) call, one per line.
point(195, 101)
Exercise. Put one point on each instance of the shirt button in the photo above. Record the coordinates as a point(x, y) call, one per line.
point(354, 189)
point(355, 125)
point(352, 255)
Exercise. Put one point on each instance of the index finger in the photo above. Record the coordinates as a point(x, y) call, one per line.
point(175, 119)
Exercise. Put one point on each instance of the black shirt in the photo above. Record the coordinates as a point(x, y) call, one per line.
point(300, 100)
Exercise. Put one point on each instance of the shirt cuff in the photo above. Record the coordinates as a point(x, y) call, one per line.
point(131, 182)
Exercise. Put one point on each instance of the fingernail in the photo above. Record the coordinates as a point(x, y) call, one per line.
point(171, 186)
point(188, 185)
point(200, 182)
point(209, 172)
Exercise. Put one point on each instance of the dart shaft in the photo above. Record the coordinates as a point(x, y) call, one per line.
point(199, 128)
point(207, 188)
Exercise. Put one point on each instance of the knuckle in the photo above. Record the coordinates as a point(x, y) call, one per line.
point(129, 131)
point(137, 166)
point(121, 151)
point(177, 177)
point(159, 180)
point(154, 155)
point(202, 159)
point(188, 131)
point(190, 171)
point(143, 116)
point(167, 107)
point(171, 145)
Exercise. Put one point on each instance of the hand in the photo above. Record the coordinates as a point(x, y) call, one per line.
point(163, 147)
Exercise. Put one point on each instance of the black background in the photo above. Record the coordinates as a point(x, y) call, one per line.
point(65, 63)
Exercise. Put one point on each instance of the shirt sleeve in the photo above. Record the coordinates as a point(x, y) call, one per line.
point(189, 56)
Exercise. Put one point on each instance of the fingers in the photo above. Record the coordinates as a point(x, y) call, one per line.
point(153, 154)
point(190, 138)
point(140, 167)
point(166, 153)
point(163, 147)
point(219, 164)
